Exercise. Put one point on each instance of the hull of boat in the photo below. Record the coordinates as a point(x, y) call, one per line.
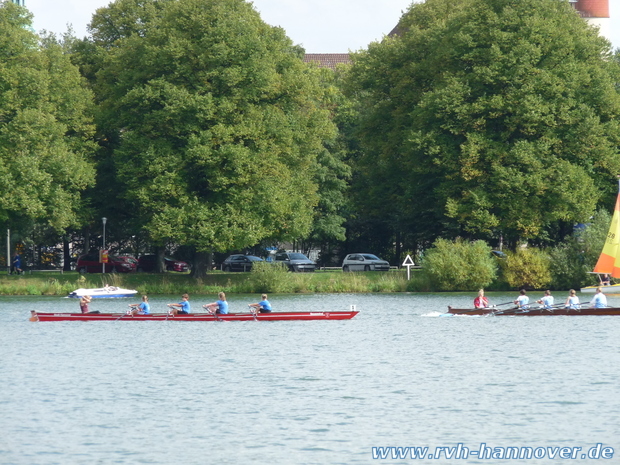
point(103, 293)
point(535, 311)
point(274, 316)
point(613, 289)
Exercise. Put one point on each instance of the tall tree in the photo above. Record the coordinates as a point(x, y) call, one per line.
point(211, 120)
point(45, 127)
point(488, 117)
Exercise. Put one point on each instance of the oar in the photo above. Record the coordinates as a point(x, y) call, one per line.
point(127, 313)
point(496, 312)
point(505, 303)
point(212, 312)
point(253, 312)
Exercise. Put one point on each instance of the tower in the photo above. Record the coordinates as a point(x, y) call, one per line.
point(596, 12)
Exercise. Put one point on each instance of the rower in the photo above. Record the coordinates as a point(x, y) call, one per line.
point(572, 302)
point(547, 300)
point(182, 308)
point(143, 308)
point(220, 307)
point(523, 300)
point(599, 300)
point(263, 306)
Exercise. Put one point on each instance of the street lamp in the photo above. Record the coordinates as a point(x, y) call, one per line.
point(104, 219)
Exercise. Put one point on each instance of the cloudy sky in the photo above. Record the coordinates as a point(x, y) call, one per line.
point(320, 26)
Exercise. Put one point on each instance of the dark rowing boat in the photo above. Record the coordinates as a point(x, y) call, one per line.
point(273, 316)
point(534, 311)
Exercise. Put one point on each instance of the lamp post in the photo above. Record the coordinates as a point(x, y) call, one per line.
point(104, 219)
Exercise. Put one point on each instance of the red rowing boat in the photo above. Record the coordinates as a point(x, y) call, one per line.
point(534, 311)
point(273, 316)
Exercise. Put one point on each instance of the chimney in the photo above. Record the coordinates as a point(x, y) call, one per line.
point(596, 12)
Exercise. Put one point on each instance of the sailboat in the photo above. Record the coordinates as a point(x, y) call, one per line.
point(609, 261)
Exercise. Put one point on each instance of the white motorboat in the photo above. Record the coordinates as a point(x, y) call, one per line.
point(107, 292)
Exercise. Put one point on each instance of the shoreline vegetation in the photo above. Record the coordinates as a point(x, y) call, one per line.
point(61, 284)
point(276, 279)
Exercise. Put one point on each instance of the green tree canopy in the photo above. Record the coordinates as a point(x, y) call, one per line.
point(459, 265)
point(212, 122)
point(486, 117)
point(45, 127)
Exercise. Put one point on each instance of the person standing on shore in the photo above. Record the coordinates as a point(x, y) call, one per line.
point(17, 264)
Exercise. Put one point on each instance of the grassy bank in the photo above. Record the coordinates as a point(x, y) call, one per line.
point(52, 283)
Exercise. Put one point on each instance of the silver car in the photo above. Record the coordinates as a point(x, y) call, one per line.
point(295, 261)
point(364, 262)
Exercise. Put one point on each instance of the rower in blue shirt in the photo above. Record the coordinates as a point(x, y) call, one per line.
point(220, 307)
point(599, 300)
point(182, 308)
point(523, 301)
point(572, 302)
point(547, 300)
point(263, 306)
point(143, 308)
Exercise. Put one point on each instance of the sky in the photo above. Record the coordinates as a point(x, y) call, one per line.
point(320, 26)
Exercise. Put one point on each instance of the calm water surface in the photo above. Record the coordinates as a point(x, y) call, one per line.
point(316, 392)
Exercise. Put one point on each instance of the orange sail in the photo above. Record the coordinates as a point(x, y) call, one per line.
point(609, 261)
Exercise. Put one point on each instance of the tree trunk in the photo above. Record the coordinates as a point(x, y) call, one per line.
point(66, 254)
point(160, 253)
point(399, 249)
point(86, 241)
point(201, 263)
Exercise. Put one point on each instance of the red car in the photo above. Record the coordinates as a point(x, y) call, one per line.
point(149, 263)
point(89, 263)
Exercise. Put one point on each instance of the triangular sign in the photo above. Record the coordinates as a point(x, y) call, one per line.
point(408, 261)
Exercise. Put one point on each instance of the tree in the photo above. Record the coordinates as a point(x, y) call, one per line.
point(488, 117)
point(574, 258)
point(459, 265)
point(332, 172)
point(210, 119)
point(45, 128)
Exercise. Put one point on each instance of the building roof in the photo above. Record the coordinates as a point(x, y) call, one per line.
point(327, 60)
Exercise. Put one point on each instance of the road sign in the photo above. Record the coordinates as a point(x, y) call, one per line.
point(408, 263)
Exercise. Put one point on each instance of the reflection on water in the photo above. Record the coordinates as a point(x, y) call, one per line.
point(316, 392)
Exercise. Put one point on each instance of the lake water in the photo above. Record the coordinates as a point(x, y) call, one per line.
point(314, 392)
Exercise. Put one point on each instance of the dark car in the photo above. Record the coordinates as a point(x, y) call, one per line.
point(240, 262)
point(364, 262)
point(149, 263)
point(295, 261)
point(90, 263)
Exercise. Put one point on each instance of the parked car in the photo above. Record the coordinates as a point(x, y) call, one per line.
point(295, 261)
point(498, 254)
point(89, 263)
point(149, 263)
point(364, 262)
point(240, 262)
